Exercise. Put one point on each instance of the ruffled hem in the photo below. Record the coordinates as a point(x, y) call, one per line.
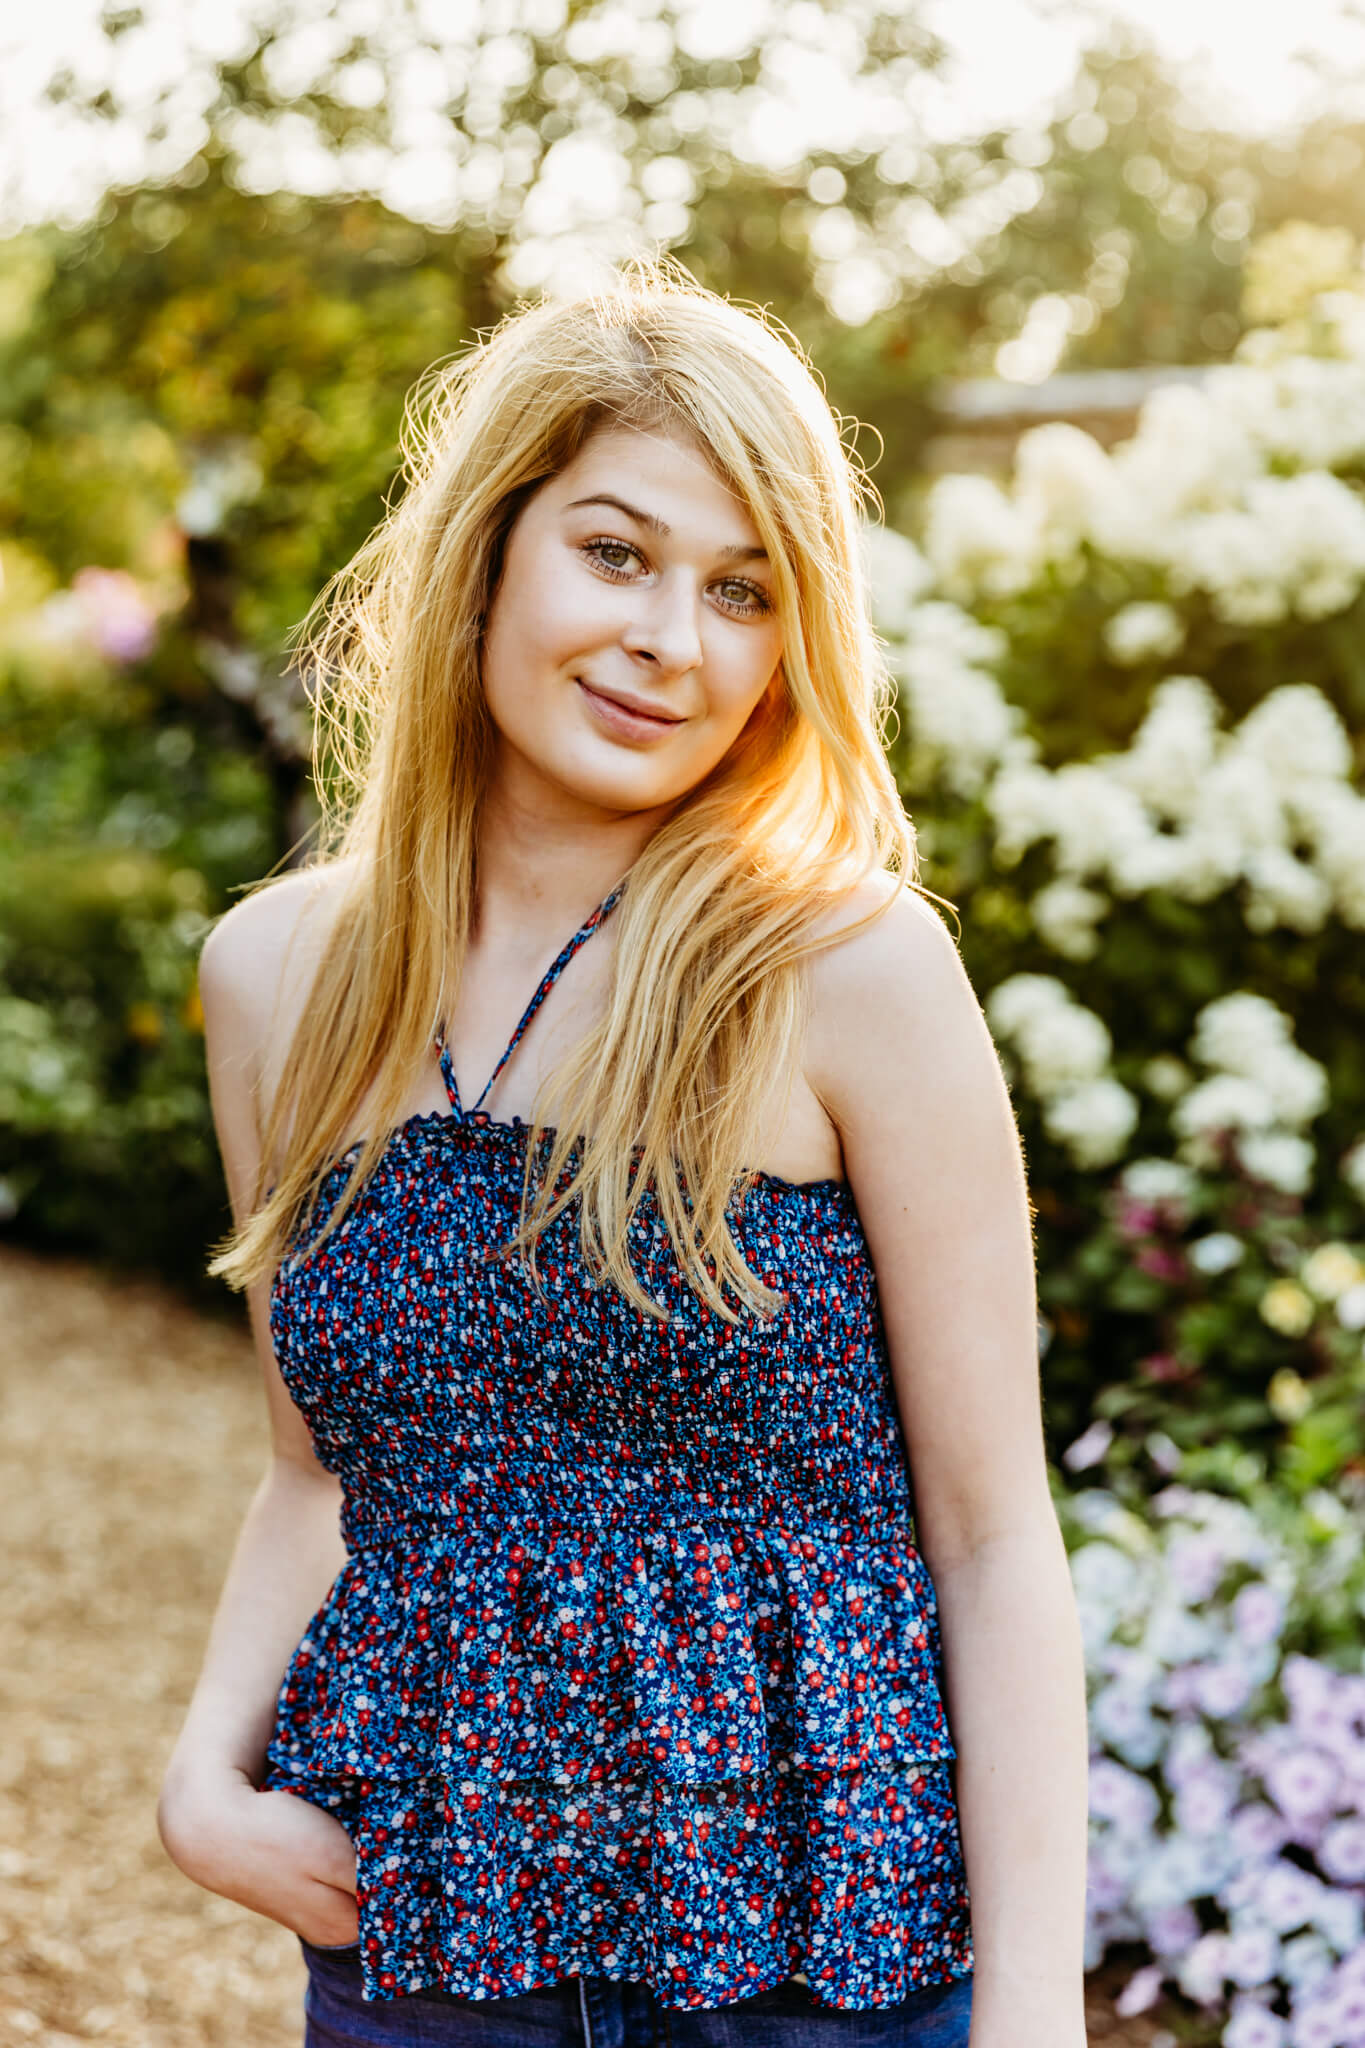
point(685, 1652)
point(709, 1894)
point(697, 1754)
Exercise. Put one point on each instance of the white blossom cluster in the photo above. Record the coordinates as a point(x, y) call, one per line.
point(1226, 488)
point(1268, 807)
point(1063, 1050)
point(1261, 1090)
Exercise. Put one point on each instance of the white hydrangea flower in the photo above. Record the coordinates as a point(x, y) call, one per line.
point(1173, 748)
point(1217, 1252)
point(1022, 802)
point(1338, 829)
point(1015, 1004)
point(1340, 316)
point(1063, 1047)
point(1318, 522)
point(1196, 865)
point(1238, 1031)
point(1353, 1168)
point(897, 575)
point(1166, 1077)
point(1239, 800)
point(1225, 1102)
point(1143, 632)
point(1065, 916)
point(945, 630)
point(977, 540)
point(955, 707)
point(1185, 457)
point(1280, 1158)
point(1297, 732)
point(1096, 822)
point(1298, 1085)
point(1284, 890)
point(1093, 1122)
point(1304, 410)
point(1157, 1180)
point(1235, 557)
point(1060, 472)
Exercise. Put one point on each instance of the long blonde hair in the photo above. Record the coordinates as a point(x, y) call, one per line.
point(718, 910)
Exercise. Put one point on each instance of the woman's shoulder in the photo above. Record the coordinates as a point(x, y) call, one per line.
point(886, 983)
point(259, 958)
point(878, 933)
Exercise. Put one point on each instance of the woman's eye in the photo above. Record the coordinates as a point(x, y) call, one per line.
point(601, 549)
point(747, 597)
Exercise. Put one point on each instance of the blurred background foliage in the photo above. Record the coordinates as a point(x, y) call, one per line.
point(201, 388)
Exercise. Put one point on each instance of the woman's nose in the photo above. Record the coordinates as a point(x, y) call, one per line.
point(666, 627)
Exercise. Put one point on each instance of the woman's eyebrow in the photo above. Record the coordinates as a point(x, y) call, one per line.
point(652, 522)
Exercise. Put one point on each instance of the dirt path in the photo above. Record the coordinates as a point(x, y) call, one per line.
point(131, 1436)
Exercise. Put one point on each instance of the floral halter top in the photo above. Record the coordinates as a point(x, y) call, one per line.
point(633, 1669)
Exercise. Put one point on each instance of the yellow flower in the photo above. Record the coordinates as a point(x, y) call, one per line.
point(143, 1022)
point(1287, 1396)
point(1287, 1308)
point(1330, 1270)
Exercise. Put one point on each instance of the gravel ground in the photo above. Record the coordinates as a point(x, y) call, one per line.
point(133, 1434)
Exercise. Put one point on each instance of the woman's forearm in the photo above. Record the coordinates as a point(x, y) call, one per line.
point(1015, 1673)
point(287, 1554)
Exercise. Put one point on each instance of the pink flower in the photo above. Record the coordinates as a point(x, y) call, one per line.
point(1302, 1783)
point(1342, 1852)
point(1163, 1366)
point(115, 612)
point(1163, 1262)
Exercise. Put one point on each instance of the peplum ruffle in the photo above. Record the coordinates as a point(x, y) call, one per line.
point(700, 1753)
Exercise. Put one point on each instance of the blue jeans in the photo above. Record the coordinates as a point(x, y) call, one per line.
point(594, 2012)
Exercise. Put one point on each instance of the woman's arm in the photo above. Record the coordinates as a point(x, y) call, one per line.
point(271, 1851)
point(901, 1057)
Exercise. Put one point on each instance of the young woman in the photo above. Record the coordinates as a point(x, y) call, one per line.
point(653, 1610)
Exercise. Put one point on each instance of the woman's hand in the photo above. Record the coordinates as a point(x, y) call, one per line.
point(270, 1851)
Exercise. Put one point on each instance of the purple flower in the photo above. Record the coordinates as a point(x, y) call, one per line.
point(1088, 1448)
point(1205, 1798)
point(1222, 1689)
point(1308, 1685)
point(1257, 1831)
point(1121, 1796)
point(1302, 1783)
point(1196, 1562)
point(1251, 2026)
point(1257, 1614)
point(1341, 1852)
point(1287, 1896)
point(1315, 2025)
point(1105, 1888)
point(1141, 1992)
point(1253, 1956)
point(1170, 1930)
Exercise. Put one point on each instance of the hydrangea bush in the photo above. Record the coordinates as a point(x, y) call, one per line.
point(1227, 1786)
point(1129, 684)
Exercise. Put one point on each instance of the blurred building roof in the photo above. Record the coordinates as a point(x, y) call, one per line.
point(983, 417)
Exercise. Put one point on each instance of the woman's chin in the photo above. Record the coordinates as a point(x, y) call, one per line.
point(621, 785)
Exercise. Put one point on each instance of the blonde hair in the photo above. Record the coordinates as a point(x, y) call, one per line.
point(718, 910)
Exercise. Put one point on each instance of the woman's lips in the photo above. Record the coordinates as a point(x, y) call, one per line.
point(616, 717)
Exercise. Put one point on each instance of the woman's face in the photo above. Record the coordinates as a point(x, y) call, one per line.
point(633, 631)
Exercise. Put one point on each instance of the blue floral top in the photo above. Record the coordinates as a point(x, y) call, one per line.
point(633, 1668)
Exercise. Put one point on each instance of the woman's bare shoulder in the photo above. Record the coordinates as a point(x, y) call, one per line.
point(858, 946)
point(256, 963)
point(896, 983)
